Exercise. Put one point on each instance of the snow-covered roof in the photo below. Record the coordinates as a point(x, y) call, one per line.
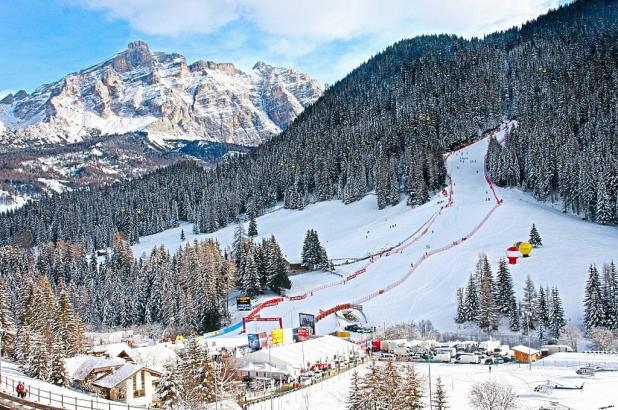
point(114, 349)
point(296, 355)
point(118, 376)
point(525, 349)
point(154, 357)
point(93, 363)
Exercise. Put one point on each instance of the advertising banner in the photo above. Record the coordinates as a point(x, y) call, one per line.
point(302, 335)
point(253, 341)
point(243, 303)
point(307, 320)
point(277, 337)
point(263, 337)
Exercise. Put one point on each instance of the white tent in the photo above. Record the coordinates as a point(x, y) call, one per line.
point(291, 358)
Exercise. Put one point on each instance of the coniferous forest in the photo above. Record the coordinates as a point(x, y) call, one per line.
point(384, 127)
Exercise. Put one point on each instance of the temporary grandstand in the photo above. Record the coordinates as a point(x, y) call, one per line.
point(290, 359)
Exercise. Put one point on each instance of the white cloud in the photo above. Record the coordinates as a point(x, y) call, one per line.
point(322, 20)
point(291, 29)
point(169, 17)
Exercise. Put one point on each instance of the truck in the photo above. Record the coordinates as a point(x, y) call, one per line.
point(401, 351)
point(469, 359)
point(502, 350)
point(445, 354)
point(488, 346)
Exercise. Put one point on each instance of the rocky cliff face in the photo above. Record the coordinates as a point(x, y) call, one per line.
point(141, 90)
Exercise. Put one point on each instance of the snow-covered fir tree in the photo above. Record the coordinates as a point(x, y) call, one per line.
point(461, 316)
point(252, 231)
point(7, 325)
point(594, 307)
point(542, 313)
point(169, 387)
point(314, 255)
point(557, 321)
point(356, 397)
point(534, 237)
point(487, 318)
point(58, 373)
point(610, 295)
point(529, 305)
point(471, 301)
point(505, 292)
point(412, 389)
point(439, 401)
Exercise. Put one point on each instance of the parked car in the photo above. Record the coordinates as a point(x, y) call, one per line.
point(352, 328)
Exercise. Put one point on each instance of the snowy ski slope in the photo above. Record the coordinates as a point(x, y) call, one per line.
point(431, 264)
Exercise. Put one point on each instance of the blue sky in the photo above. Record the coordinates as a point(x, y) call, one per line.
point(43, 40)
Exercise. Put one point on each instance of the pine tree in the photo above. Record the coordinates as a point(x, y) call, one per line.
point(356, 397)
point(58, 372)
point(314, 255)
point(412, 389)
point(487, 317)
point(594, 309)
point(7, 326)
point(461, 309)
point(391, 396)
point(372, 387)
point(529, 305)
point(507, 302)
point(169, 388)
point(439, 399)
point(240, 238)
point(543, 312)
point(251, 278)
point(38, 358)
point(278, 272)
point(535, 238)
point(557, 320)
point(182, 235)
point(252, 231)
point(514, 323)
point(610, 295)
point(471, 304)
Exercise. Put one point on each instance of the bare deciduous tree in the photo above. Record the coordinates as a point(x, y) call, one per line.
point(571, 335)
point(603, 339)
point(491, 395)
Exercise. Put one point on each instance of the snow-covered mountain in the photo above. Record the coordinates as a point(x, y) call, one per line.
point(141, 90)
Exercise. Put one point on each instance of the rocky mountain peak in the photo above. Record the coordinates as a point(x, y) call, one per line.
point(136, 55)
point(159, 93)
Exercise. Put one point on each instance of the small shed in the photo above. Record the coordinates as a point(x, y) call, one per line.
point(295, 266)
point(525, 354)
point(546, 350)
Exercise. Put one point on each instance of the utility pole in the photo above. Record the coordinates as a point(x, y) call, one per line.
point(528, 314)
point(429, 363)
point(270, 369)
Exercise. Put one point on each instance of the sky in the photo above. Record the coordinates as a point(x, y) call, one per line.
point(43, 40)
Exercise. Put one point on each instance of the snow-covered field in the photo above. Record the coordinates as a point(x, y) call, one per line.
point(598, 391)
point(347, 231)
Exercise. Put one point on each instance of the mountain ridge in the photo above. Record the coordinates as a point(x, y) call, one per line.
point(160, 93)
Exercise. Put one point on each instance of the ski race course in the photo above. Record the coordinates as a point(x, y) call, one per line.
point(420, 255)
